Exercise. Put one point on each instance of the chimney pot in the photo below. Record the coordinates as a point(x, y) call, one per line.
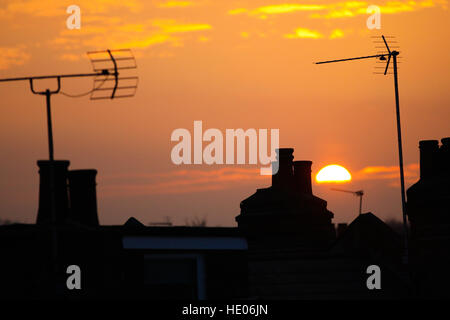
point(83, 197)
point(428, 158)
point(284, 177)
point(302, 176)
point(60, 191)
point(444, 156)
point(445, 142)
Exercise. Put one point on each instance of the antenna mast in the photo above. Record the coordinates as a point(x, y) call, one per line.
point(391, 54)
point(358, 193)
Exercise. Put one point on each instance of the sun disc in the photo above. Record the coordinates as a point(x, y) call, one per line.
point(333, 173)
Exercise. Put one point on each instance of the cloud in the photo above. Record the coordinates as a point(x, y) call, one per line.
point(237, 11)
point(344, 9)
point(10, 56)
point(175, 4)
point(244, 34)
point(304, 34)
point(262, 12)
point(196, 180)
point(105, 24)
point(354, 8)
point(285, 8)
point(54, 8)
point(171, 26)
point(411, 172)
point(336, 33)
point(140, 34)
point(203, 39)
point(180, 181)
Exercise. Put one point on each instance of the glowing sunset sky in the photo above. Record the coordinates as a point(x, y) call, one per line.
point(231, 64)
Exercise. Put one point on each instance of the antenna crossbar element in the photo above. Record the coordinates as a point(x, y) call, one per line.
point(348, 59)
point(61, 76)
point(113, 61)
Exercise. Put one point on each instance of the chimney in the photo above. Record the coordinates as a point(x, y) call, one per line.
point(444, 156)
point(83, 197)
point(428, 158)
point(302, 176)
point(284, 177)
point(446, 143)
point(60, 191)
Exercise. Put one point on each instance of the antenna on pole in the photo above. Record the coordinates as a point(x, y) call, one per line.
point(391, 55)
point(358, 193)
point(115, 61)
point(112, 61)
point(110, 65)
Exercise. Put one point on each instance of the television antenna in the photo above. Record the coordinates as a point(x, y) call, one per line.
point(105, 64)
point(391, 55)
point(358, 193)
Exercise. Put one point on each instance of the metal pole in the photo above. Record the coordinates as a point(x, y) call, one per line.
point(49, 125)
point(360, 205)
point(400, 155)
point(52, 190)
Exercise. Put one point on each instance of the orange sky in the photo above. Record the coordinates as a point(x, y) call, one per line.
point(231, 64)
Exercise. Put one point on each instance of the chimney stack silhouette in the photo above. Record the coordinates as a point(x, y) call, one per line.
point(302, 176)
point(428, 207)
point(83, 197)
point(287, 214)
point(74, 192)
point(284, 177)
point(292, 175)
point(60, 191)
point(428, 158)
point(444, 157)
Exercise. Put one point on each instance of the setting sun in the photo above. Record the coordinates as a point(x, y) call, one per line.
point(333, 173)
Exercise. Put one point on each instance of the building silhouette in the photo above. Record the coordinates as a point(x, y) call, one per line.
point(284, 247)
point(428, 210)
